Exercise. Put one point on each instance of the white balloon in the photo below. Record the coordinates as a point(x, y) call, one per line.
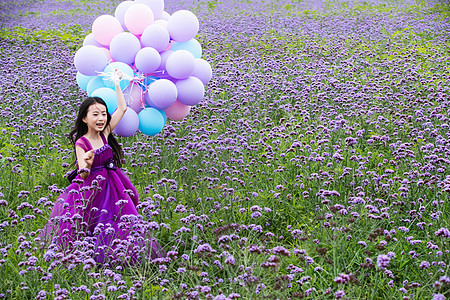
point(164, 16)
point(161, 22)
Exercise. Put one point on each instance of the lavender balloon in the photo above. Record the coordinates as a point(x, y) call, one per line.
point(190, 90)
point(202, 70)
point(124, 47)
point(89, 60)
point(161, 94)
point(147, 60)
point(164, 56)
point(155, 36)
point(120, 12)
point(157, 6)
point(182, 26)
point(133, 97)
point(90, 40)
point(180, 64)
point(128, 125)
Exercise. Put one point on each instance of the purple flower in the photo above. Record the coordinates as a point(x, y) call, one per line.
point(383, 261)
point(339, 294)
point(438, 297)
point(424, 265)
point(444, 232)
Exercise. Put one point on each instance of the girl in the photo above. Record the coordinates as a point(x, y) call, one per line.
point(98, 209)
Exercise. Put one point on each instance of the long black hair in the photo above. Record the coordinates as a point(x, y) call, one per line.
point(80, 128)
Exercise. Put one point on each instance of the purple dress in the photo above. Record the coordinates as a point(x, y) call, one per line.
point(101, 211)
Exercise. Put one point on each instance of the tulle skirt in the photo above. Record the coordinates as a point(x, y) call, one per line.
point(100, 216)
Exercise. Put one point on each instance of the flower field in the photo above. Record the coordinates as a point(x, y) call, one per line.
point(317, 165)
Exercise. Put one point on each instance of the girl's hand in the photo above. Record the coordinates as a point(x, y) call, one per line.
point(89, 158)
point(118, 76)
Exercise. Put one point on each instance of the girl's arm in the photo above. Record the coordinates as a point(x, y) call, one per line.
point(85, 160)
point(121, 106)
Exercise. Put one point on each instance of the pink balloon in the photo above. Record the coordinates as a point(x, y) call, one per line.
point(147, 60)
point(133, 97)
point(124, 47)
point(105, 28)
point(180, 64)
point(177, 111)
point(89, 60)
point(137, 17)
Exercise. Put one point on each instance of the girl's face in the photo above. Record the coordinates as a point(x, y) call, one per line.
point(96, 117)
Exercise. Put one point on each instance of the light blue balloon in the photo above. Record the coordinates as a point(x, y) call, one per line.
point(94, 84)
point(151, 121)
point(109, 96)
point(126, 70)
point(83, 80)
point(163, 113)
point(192, 46)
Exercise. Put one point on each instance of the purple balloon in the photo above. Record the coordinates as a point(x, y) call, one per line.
point(182, 26)
point(133, 97)
point(124, 47)
point(147, 60)
point(190, 90)
point(202, 70)
point(128, 125)
point(161, 94)
point(89, 60)
point(90, 40)
point(120, 12)
point(155, 36)
point(180, 64)
point(157, 6)
point(164, 56)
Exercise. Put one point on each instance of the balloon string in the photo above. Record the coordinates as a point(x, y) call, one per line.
point(111, 76)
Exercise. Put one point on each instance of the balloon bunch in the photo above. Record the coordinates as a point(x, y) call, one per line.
point(164, 74)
